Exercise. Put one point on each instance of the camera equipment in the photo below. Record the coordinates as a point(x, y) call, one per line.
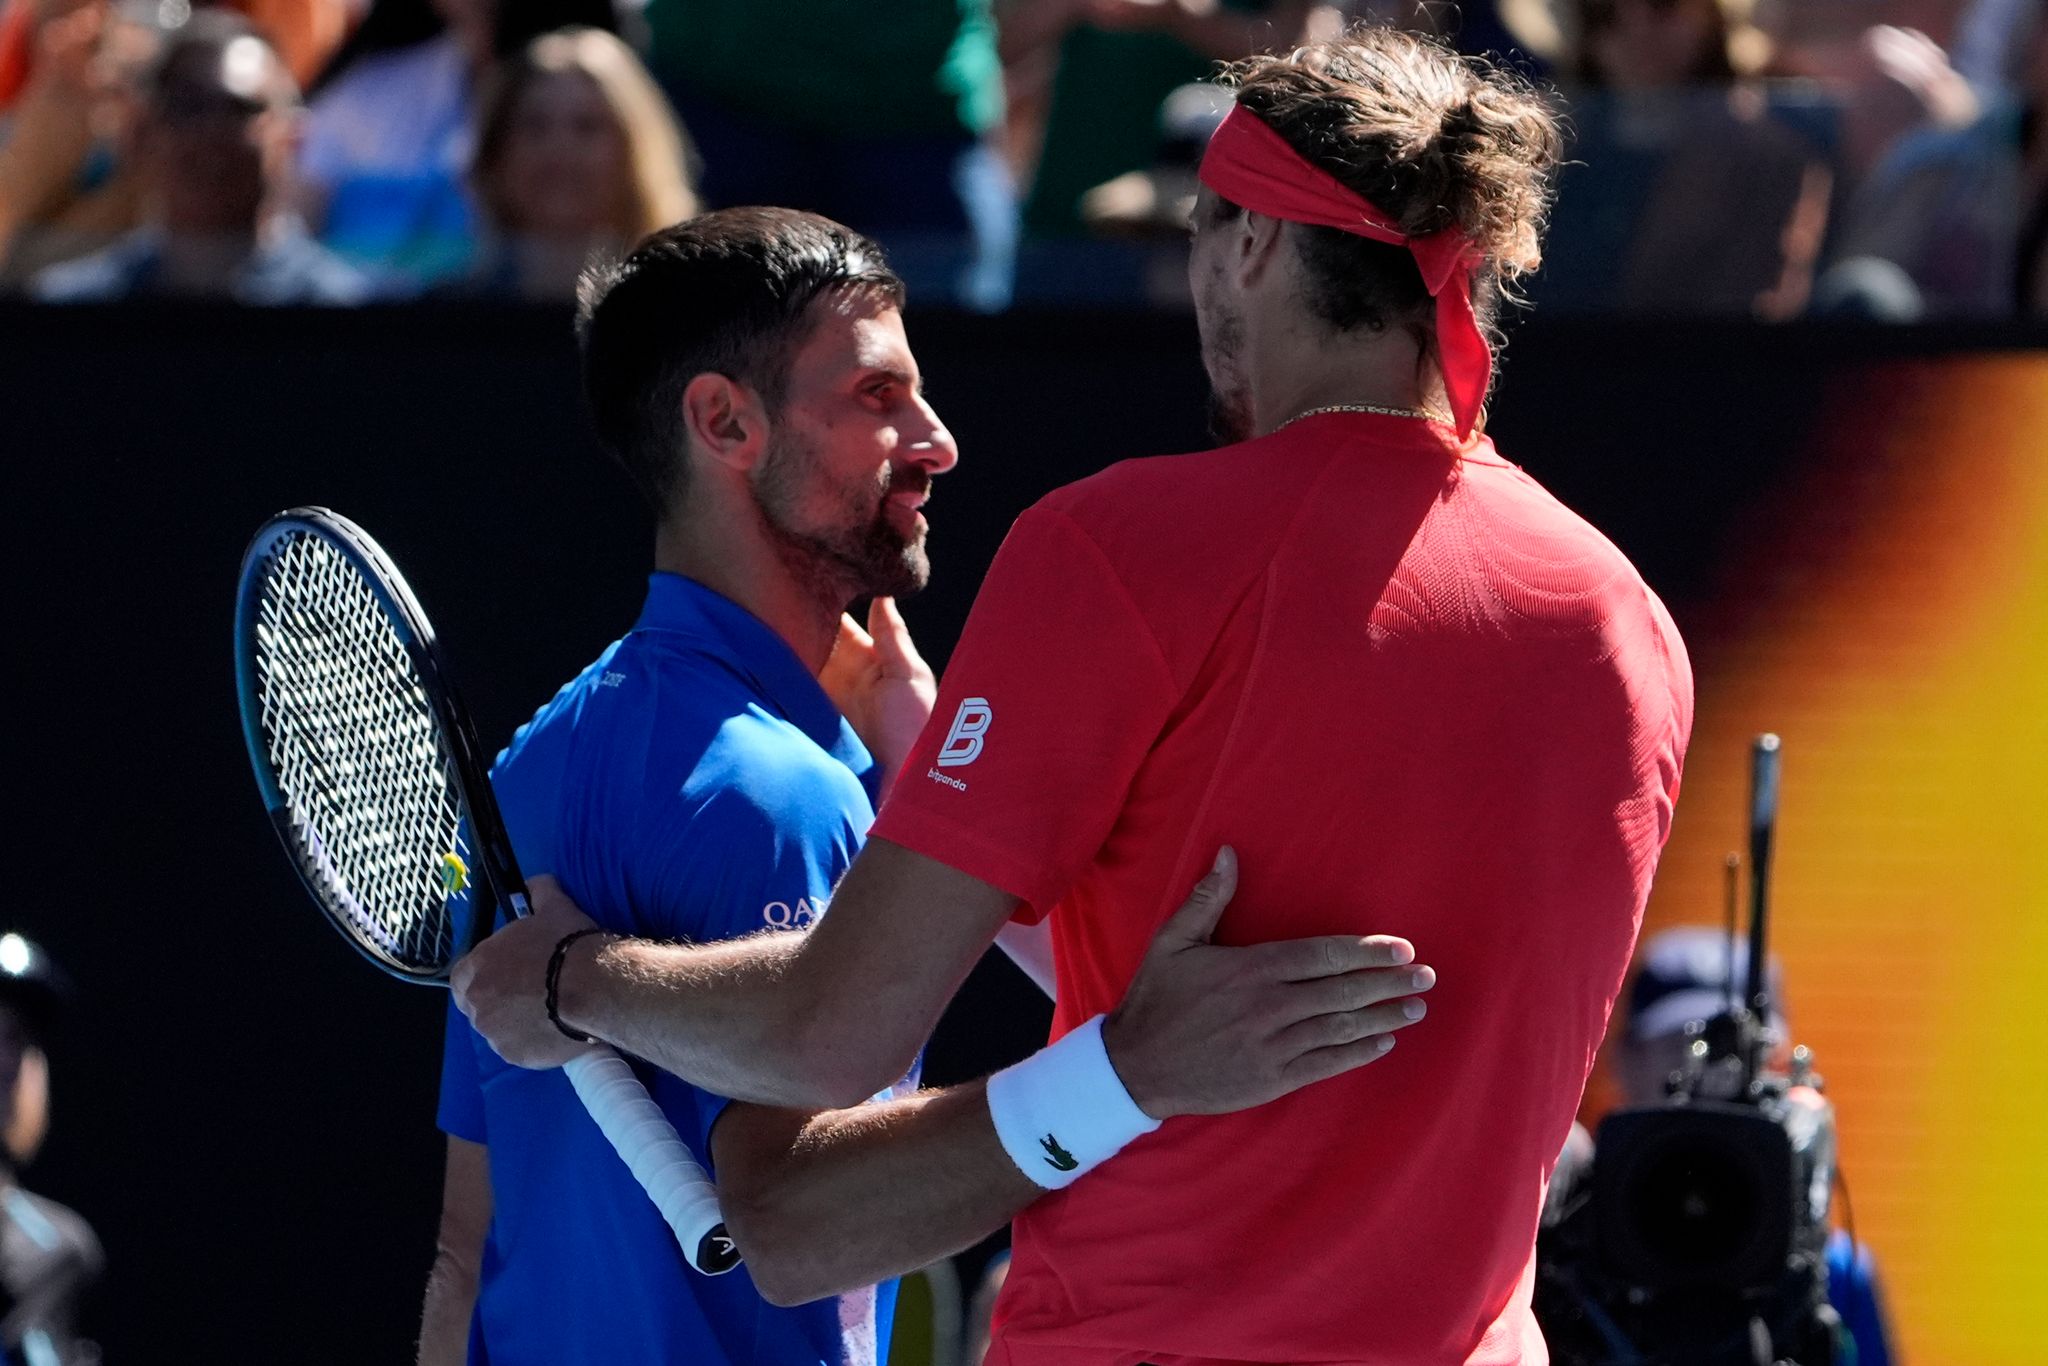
point(33, 989)
point(1700, 1236)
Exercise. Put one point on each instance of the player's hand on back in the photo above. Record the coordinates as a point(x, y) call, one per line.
point(880, 683)
point(1205, 1030)
point(501, 985)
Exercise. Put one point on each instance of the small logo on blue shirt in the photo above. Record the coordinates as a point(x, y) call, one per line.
point(781, 915)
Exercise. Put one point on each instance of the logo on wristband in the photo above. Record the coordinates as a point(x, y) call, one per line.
point(1056, 1157)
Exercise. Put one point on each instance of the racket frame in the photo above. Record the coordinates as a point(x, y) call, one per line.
point(648, 1141)
point(494, 871)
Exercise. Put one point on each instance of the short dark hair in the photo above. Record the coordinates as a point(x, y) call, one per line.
point(1430, 138)
point(726, 293)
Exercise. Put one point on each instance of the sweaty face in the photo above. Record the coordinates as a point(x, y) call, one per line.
point(852, 454)
point(1220, 322)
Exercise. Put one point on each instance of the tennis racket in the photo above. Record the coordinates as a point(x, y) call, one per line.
point(374, 780)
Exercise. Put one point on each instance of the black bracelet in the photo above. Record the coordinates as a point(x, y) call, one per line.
point(555, 962)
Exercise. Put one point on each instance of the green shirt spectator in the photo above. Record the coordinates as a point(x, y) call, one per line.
point(864, 67)
point(1106, 95)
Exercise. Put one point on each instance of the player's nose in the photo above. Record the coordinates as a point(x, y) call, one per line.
point(930, 445)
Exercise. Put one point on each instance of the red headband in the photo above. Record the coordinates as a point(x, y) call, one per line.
point(1251, 165)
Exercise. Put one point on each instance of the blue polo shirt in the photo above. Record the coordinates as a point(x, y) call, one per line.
point(693, 783)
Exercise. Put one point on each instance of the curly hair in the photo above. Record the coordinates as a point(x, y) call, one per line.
point(1430, 138)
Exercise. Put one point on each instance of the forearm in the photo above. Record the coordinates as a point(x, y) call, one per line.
point(862, 1194)
point(815, 1021)
point(720, 1016)
point(51, 136)
point(444, 1319)
point(466, 1204)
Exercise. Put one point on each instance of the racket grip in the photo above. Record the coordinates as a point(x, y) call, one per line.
point(642, 1135)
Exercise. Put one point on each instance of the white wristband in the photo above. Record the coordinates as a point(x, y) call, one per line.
point(1063, 1111)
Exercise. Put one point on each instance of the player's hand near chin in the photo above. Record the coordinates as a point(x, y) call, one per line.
point(501, 985)
point(880, 684)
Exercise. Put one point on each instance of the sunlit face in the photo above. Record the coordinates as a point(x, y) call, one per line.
point(564, 171)
point(1219, 319)
point(852, 454)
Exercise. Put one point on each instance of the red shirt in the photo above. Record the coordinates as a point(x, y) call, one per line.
point(1420, 697)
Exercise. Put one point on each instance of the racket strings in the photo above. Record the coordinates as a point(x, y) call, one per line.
point(352, 742)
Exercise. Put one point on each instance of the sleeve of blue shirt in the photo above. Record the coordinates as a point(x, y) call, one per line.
point(689, 837)
point(753, 854)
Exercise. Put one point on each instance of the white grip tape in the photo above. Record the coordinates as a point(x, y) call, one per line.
point(644, 1138)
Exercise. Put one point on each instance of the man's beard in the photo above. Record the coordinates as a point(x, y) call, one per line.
point(1230, 400)
point(1230, 417)
point(861, 554)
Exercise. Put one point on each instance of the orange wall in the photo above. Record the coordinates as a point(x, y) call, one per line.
point(1888, 616)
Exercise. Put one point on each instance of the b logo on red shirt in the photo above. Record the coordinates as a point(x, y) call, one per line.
point(963, 741)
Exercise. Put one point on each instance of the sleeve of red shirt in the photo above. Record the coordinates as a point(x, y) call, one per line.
point(1057, 690)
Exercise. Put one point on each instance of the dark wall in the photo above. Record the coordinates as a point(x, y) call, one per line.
point(242, 1107)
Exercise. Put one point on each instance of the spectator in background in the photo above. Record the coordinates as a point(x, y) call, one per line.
point(48, 1254)
point(1157, 201)
point(1116, 62)
point(1929, 203)
point(1994, 42)
point(1690, 198)
point(19, 20)
point(67, 76)
point(388, 137)
point(385, 164)
point(1144, 215)
point(883, 118)
point(306, 33)
point(1521, 35)
point(212, 151)
point(577, 153)
point(63, 189)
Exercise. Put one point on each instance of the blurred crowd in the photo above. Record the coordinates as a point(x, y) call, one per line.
point(1765, 158)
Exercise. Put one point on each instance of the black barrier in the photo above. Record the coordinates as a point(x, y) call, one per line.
point(246, 1113)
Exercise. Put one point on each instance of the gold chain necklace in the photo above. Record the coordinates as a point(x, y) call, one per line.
point(1423, 413)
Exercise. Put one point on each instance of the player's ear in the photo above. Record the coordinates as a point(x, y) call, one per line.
point(725, 420)
point(1256, 241)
